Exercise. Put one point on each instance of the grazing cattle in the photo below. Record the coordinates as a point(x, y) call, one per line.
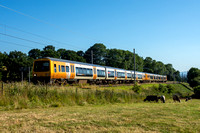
point(151, 98)
point(188, 98)
point(162, 98)
point(176, 98)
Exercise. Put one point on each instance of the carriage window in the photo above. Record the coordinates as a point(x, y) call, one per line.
point(110, 73)
point(59, 68)
point(120, 74)
point(55, 68)
point(139, 76)
point(67, 68)
point(63, 68)
point(129, 75)
point(83, 71)
point(100, 73)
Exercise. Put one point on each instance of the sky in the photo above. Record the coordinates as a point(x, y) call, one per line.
point(165, 30)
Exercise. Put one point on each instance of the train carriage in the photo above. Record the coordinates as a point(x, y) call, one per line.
point(62, 71)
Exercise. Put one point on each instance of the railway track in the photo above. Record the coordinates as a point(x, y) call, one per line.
point(132, 84)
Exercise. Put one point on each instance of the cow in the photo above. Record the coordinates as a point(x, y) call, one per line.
point(176, 98)
point(151, 98)
point(162, 98)
point(188, 98)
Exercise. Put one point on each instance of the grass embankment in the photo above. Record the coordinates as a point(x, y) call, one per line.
point(18, 96)
point(135, 117)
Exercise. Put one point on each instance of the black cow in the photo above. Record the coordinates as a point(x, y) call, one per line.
point(162, 98)
point(151, 98)
point(188, 98)
point(176, 98)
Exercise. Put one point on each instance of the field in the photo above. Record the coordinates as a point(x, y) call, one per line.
point(86, 108)
point(135, 117)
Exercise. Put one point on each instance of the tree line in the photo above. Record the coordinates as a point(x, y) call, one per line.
point(15, 62)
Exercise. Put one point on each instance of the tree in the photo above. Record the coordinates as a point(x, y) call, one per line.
point(80, 53)
point(49, 51)
point(193, 77)
point(34, 53)
point(72, 55)
point(148, 65)
point(99, 53)
point(17, 62)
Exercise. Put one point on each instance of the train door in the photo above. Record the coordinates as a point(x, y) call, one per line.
point(55, 70)
point(125, 75)
point(67, 66)
point(115, 74)
point(94, 72)
point(72, 71)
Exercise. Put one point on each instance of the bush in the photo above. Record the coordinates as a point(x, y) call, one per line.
point(170, 89)
point(137, 88)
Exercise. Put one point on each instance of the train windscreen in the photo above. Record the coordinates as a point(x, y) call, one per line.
point(41, 66)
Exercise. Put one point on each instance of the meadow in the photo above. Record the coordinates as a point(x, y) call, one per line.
point(91, 108)
point(118, 117)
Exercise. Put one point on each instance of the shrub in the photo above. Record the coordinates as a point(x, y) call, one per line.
point(170, 89)
point(137, 88)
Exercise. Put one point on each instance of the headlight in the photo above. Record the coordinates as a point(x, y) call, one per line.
point(34, 75)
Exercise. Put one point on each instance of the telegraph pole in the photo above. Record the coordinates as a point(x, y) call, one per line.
point(134, 67)
point(92, 56)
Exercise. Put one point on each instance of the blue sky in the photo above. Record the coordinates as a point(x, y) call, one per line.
point(165, 30)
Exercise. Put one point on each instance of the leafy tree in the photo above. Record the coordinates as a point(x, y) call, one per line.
point(148, 65)
point(99, 53)
point(17, 62)
point(80, 53)
point(193, 77)
point(72, 55)
point(34, 53)
point(197, 91)
point(49, 51)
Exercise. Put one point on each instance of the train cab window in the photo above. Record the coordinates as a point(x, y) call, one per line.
point(63, 68)
point(59, 67)
point(67, 68)
point(55, 68)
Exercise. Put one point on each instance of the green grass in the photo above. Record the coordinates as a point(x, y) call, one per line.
point(18, 96)
point(133, 117)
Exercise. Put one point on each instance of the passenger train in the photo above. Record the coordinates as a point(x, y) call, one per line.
point(52, 70)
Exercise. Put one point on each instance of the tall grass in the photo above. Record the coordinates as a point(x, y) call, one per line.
point(18, 96)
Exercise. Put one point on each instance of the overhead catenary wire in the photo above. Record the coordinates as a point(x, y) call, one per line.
point(15, 44)
point(40, 36)
point(45, 22)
